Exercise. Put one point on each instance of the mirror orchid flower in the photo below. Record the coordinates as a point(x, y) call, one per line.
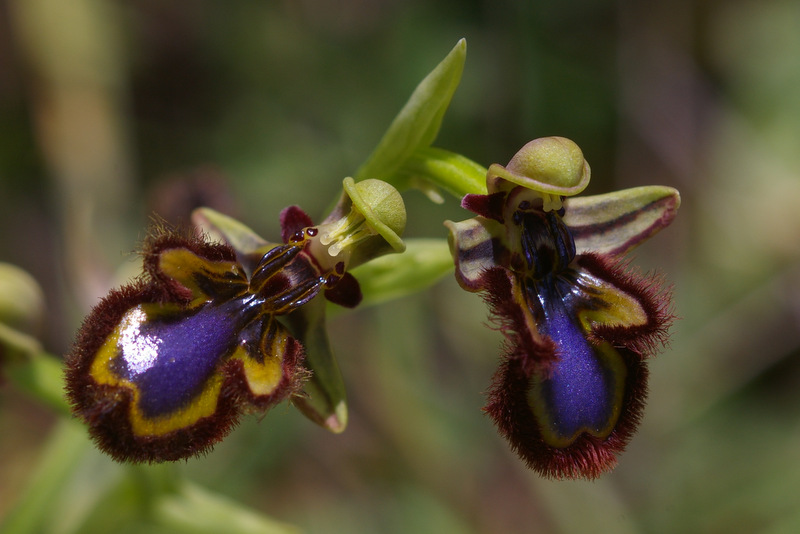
point(579, 322)
point(163, 367)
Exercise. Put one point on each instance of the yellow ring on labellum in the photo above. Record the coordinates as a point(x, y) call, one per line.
point(204, 405)
point(264, 377)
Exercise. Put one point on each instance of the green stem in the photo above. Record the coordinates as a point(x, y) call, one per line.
point(456, 174)
point(66, 446)
point(195, 510)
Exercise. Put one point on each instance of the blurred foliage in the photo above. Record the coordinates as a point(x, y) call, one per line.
point(109, 111)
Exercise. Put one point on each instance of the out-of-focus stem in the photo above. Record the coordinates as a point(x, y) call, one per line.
point(76, 92)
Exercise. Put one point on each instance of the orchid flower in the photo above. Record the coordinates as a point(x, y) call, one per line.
point(163, 367)
point(579, 323)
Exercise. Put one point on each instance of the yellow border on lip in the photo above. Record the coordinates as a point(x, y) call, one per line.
point(263, 378)
point(204, 405)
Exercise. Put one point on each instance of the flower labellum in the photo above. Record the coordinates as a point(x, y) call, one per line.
point(578, 322)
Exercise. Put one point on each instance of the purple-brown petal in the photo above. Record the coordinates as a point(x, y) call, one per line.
point(489, 206)
point(293, 219)
point(345, 291)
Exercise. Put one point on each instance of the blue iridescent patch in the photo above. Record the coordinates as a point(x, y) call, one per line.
point(584, 386)
point(169, 359)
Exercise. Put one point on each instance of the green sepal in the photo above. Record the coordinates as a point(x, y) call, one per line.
point(323, 399)
point(249, 246)
point(424, 263)
point(418, 123)
point(614, 223)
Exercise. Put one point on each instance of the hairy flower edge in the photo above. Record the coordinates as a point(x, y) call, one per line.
point(107, 409)
point(528, 356)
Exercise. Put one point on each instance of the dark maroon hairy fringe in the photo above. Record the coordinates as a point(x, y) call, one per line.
point(507, 402)
point(588, 456)
point(508, 316)
point(649, 290)
point(105, 409)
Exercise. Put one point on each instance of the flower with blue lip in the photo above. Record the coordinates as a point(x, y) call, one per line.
point(163, 367)
point(579, 323)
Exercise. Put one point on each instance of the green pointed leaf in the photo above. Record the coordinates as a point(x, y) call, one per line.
point(418, 123)
point(614, 223)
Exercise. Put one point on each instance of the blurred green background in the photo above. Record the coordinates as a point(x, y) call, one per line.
point(110, 111)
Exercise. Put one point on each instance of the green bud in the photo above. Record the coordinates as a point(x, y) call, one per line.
point(21, 311)
point(21, 299)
